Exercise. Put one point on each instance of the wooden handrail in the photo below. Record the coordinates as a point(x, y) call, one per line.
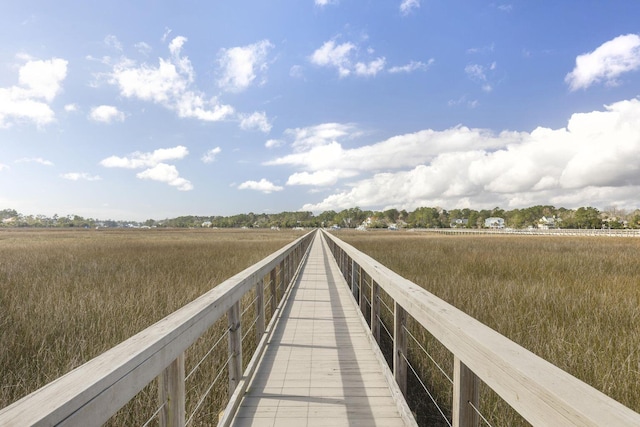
point(90, 394)
point(539, 391)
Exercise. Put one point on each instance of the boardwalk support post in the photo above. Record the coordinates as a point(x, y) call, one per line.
point(171, 394)
point(282, 278)
point(400, 347)
point(273, 290)
point(466, 392)
point(260, 317)
point(363, 297)
point(235, 346)
point(375, 310)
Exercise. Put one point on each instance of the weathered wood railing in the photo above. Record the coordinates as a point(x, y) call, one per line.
point(95, 391)
point(540, 392)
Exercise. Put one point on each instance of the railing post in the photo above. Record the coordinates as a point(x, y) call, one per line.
point(363, 299)
point(260, 322)
point(281, 284)
point(375, 310)
point(235, 346)
point(171, 394)
point(466, 391)
point(400, 347)
point(274, 292)
point(352, 282)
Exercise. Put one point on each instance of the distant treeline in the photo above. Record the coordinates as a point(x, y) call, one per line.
point(423, 217)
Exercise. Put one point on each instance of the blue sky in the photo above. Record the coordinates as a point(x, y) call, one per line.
point(137, 110)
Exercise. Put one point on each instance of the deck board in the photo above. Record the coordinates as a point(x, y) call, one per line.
point(319, 368)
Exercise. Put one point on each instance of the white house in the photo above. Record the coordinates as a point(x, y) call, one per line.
point(494, 222)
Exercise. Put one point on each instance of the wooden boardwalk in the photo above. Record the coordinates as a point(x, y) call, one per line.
point(319, 368)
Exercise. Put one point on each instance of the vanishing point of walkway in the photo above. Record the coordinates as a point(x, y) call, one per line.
point(319, 368)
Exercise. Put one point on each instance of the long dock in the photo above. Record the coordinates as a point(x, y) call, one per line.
point(319, 368)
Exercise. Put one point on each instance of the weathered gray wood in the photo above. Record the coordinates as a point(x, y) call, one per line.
point(281, 279)
point(353, 284)
point(375, 310)
point(301, 385)
point(400, 347)
point(273, 291)
point(260, 317)
point(92, 393)
point(236, 397)
point(363, 295)
point(235, 346)
point(466, 392)
point(542, 393)
point(171, 394)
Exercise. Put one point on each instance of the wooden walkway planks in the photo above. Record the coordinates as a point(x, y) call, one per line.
point(319, 368)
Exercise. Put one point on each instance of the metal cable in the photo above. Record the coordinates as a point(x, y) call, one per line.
point(386, 306)
point(385, 327)
point(366, 299)
point(427, 391)
point(155, 414)
point(226, 332)
point(249, 328)
point(428, 355)
point(208, 390)
point(480, 414)
point(248, 306)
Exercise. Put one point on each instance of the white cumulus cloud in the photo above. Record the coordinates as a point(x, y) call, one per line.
point(412, 66)
point(371, 68)
point(242, 65)
point(80, 176)
point(155, 162)
point(255, 121)
point(170, 84)
point(462, 167)
point(263, 186)
point(140, 160)
point(606, 63)
point(38, 160)
point(407, 6)
point(334, 55)
point(168, 174)
point(319, 135)
point(40, 81)
point(106, 114)
point(210, 155)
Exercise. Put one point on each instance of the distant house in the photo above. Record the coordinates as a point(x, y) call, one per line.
point(459, 222)
point(206, 224)
point(547, 223)
point(494, 222)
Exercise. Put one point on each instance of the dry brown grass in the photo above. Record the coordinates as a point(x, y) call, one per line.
point(67, 296)
point(573, 301)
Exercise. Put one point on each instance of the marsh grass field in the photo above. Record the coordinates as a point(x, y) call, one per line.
point(574, 301)
point(68, 295)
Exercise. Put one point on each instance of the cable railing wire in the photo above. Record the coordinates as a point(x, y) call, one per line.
point(385, 327)
point(249, 306)
point(249, 328)
point(385, 305)
point(480, 414)
point(155, 414)
point(226, 332)
point(204, 396)
point(428, 355)
point(427, 391)
point(366, 299)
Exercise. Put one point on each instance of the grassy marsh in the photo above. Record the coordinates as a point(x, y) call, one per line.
point(573, 301)
point(68, 295)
